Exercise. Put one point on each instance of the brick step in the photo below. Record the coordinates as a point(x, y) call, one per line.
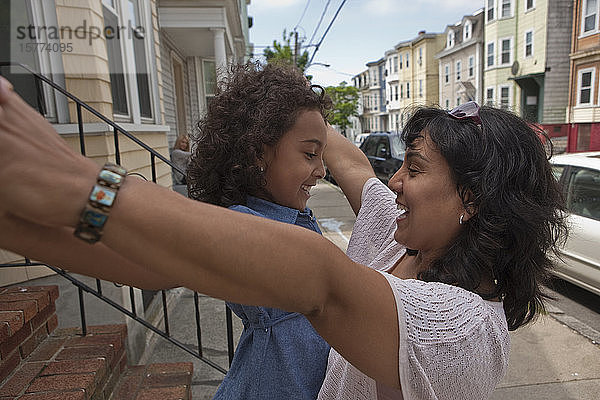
point(40, 362)
point(171, 381)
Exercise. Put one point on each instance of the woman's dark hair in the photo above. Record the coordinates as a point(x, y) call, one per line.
point(254, 106)
point(505, 181)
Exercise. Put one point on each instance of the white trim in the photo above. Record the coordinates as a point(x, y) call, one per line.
point(510, 51)
point(145, 9)
point(592, 81)
point(487, 55)
point(101, 127)
point(510, 95)
point(458, 72)
point(450, 39)
point(495, 8)
point(471, 58)
point(512, 9)
point(447, 82)
point(532, 6)
point(525, 43)
point(582, 20)
point(468, 24)
point(493, 98)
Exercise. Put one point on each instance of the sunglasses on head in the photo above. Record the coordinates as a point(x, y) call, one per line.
point(469, 110)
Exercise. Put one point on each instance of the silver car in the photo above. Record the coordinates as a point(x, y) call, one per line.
point(579, 175)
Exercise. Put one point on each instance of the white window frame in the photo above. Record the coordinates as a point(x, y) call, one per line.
point(450, 39)
point(509, 87)
point(400, 61)
point(510, 51)
point(487, 54)
point(511, 12)
point(467, 31)
point(530, 8)
point(127, 53)
point(458, 66)
point(420, 56)
point(486, 98)
point(447, 104)
point(593, 78)
point(420, 87)
point(494, 10)
point(525, 44)
point(407, 60)
point(582, 22)
point(471, 66)
point(446, 74)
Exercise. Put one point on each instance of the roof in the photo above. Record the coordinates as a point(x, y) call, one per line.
point(588, 159)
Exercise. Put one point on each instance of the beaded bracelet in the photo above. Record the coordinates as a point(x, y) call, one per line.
point(101, 199)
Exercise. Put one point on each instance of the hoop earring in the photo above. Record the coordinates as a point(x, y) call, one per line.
point(261, 169)
point(460, 219)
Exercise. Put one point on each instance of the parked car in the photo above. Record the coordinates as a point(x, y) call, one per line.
point(385, 151)
point(360, 138)
point(579, 176)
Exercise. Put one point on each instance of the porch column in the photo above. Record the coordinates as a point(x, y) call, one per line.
point(220, 53)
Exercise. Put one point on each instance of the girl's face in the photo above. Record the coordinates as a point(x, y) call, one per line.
point(426, 190)
point(294, 164)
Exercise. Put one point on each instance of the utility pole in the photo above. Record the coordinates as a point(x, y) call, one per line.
point(295, 48)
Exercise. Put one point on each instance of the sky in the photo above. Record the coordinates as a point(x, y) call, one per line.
point(362, 32)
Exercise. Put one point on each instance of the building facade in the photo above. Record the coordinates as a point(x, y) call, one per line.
point(525, 57)
point(583, 112)
point(460, 62)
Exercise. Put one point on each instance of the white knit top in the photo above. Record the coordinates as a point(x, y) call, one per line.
point(452, 343)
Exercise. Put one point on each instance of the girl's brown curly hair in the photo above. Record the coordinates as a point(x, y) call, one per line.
point(254, 106)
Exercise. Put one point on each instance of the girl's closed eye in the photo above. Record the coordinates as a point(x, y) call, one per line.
point(413, 170)
point(311, 155)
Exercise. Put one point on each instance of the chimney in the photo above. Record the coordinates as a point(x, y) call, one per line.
point(421, 33)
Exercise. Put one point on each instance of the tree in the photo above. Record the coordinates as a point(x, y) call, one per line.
point(284, 52)
point(345, 105)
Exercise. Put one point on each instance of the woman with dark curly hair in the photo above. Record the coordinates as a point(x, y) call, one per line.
point(260, 151)
point(438, 270)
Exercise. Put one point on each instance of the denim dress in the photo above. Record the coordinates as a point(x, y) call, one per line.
point(279, 355)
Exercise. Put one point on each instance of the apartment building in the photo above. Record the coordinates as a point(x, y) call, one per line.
point(583, 112)
point(526, 47)
point(460, 62)
point(371, 86)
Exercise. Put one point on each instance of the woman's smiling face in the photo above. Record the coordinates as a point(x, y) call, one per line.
point(426, 190)
point(294, 164)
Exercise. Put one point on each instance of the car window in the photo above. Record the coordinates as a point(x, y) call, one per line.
point(583, 193)
point(383, 148)
point(369, 147)
point(398, 147)
point(557, 171)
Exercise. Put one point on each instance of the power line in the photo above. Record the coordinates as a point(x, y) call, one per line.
point(301, 17)
point(327, 30)
point(319, 23)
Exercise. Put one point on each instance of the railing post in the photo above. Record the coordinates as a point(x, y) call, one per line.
point(198, 329)
point(82, 312)
point(165, 312)
point(230, 349)
point(117, 150)
point(80, 124)
point(153, 165)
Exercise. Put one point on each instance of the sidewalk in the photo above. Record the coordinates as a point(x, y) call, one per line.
point(548, 360)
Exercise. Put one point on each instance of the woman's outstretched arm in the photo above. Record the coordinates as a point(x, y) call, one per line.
point(348, 165)
point(209, 249)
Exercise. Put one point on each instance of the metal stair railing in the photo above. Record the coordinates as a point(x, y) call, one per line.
point(97, 292)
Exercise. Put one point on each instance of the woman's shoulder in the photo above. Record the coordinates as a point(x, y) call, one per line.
point(437, 312)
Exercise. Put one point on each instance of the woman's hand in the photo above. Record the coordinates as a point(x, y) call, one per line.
point(41, 178)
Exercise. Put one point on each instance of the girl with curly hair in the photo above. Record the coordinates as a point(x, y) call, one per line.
point(438, 270)
point(260, 151)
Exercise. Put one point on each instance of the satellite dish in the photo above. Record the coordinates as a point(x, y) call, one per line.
point(514, 68)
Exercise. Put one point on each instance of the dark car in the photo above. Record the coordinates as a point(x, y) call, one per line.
point(385, 151)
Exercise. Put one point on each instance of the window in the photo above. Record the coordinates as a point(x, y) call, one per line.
point(401, 90)
point(489, 96)
point(505, 54)
point(450, 40)
point(420, 87)
point(529, 43)
point(407, 55)
point(490, 7)
point(530, 4)
point(420, 56)
point(210, 79)
point(457, 101)
point(471, 66)
point(127, 58)
point(447, 104)
point(458, 69)
point(395, 63)
point(468, 31)
point(447, 73)
point(584, 132)
point(585, 89)
point(590, 11)
point(583, 193)
point(490, 54)
point(396, 90)
point(504, 97)
point(407, 90)
point(506, 8)
point(400, 60)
